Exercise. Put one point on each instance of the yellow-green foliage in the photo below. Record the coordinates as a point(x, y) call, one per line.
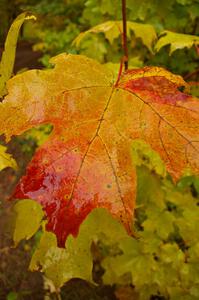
point(162, 260)
point(6, 159)
point(8, 56)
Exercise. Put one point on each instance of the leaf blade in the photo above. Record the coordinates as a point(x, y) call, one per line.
point(6, 159)
point(176, 41)
point(29, 215)
point(8, 56)
point(87, 160)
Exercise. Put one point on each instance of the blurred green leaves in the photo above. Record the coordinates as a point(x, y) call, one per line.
point(113, 30)
point(75, 261)
point(60, 22)
point(162, 260)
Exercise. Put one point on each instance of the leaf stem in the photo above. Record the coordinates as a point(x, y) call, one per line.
point(120, 72)
point(124, 35)
point(58, 296)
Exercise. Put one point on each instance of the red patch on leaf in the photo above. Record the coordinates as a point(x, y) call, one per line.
point(69, 190)
point(156, 89)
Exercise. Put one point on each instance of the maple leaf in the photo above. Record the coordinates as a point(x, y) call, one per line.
point(87, 161)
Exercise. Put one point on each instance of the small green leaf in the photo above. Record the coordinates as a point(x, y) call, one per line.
point(170, 253)
point(144, 155)
point(29, 215)
point(6, 159)
point(12, 296)
point(162, 226)
point(188, 181)
point(144, 31)
point(188, 225)
point(8, 56)
point(149, 190)
point(176, 41)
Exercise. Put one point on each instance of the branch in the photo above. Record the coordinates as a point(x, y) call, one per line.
point(125, 48)
point(187, 76)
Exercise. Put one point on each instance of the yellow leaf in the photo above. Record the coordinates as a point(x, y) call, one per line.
point(29, 215)
point(8, 56)
point(6, 159)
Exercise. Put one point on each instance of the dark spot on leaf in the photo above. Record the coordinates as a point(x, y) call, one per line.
point(155, 257)
point(181, 88)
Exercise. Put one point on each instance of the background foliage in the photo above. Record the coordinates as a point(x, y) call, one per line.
point(59, 22)
point(163, 262)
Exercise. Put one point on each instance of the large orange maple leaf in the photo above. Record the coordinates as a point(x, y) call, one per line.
point(86, 162)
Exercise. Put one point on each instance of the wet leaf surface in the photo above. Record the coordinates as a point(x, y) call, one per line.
point(87, 161)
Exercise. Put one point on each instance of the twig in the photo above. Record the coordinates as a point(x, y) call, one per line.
point(193, 83)
point(124, 34)
point(58, 296)
point(191, 74)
